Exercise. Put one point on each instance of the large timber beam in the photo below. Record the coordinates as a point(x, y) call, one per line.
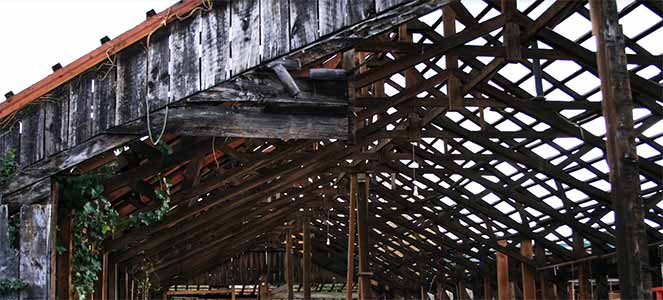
point(632, 250)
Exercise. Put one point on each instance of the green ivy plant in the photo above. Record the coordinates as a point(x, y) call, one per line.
point(94, 219)
point(8, 166)
point(11, 285)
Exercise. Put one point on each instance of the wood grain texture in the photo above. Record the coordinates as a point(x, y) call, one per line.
point(274, 28)
point(104, 99)
point(56, 118)
point(32, 134)
point(8, 255)
point(80, 109)
point(333, 15)
point(215, 53)
point(184, 55)
point(203, 120)
point(359, 10)
point(34, 265)
point(11, 140)
point(131, 84)
point(382, 5)
point(303, 23)
point(158, 77)
point(245, 42)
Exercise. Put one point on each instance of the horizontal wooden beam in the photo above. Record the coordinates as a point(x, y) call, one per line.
point(248, 122)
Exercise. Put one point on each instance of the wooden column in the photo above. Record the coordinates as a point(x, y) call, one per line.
point(529, 282)
point(511, 32)
point(502, 274)
point(454, 85)
point(8, 255)
point(352, 221)
point(287, 262)
point(617, 105)
point(487, 287)
point(362, 228)
point(306, 265)
point(542, 276)
point(462, 294)
point(581, 268)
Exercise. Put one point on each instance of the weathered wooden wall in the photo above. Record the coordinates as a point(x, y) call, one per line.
point(180, 60)
point(31, 261)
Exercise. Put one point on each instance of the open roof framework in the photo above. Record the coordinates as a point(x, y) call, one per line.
point(520, 155)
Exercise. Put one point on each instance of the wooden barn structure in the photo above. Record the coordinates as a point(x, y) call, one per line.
point(340, 149)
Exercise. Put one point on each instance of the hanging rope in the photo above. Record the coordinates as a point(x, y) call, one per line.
point(206, 5)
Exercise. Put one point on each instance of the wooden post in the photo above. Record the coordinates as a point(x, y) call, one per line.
point(8, 255)
point(511, 32)
point(462, 294)
point(502, 274)
point(34, 250)
point(540, 257)
point(352, 220)
point(306, 265)
point(529, 283)
point(617, 105)
point(362, 228)
point(583, 281)
point(288, 264)
point(487, 288)
point(454, 85)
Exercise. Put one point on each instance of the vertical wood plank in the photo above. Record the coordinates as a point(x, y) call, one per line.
point(359, 10)
point(275, 35)
point(104, 99)
point(80, 109)
point(382, 5)
point(131, 84)
point(56, 120)
point(63, 266)
point(306, 264)
point(352, 226)
point(35, 250)
point(333, 15)
point(32, 134)
point(617, 105)
point(185, 56)
point(503, 290)
point(245, 42)
point(363, 231)
point(158, 78)
point(215, 55)
point(8, 255)
point(529, 281)
point(303, 23)
point(11, 140)
point(288, 264)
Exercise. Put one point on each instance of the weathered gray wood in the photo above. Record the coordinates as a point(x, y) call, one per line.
point(382, 5)
point(203, 120)
point(32, 194)
point(34, 261)
point(104, 99)
point(359, 10)
point(333, 15)
point(303, 23)
point(184, 54)
point(66, 159)
point(11, 137)
point(32, 134)
point(158, 78)
point(245, 42)
point(215, 51)
point(56, 118)
point(8, 255)
point(80, 109)
point(274, 28)
point(131, 84)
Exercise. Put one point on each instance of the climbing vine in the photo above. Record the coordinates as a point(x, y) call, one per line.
point(13, 229)
point(10, 286)
point(8, 166)
point(94, 219)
